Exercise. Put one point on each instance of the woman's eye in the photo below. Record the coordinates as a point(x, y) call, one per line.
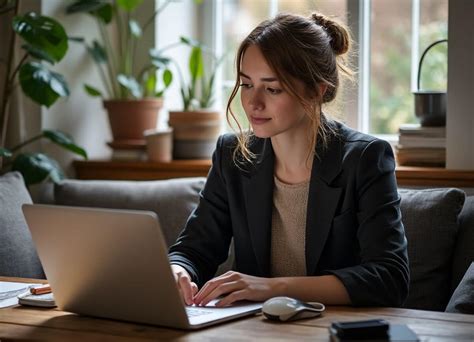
point(246, 85)
point(274, 91)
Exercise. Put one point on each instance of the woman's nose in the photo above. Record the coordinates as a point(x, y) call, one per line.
point(255, 101)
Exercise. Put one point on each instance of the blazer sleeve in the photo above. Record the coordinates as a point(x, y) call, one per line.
point(204, 242)
point(382, 277)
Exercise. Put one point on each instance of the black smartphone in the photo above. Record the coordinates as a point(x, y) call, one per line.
point(360, 330)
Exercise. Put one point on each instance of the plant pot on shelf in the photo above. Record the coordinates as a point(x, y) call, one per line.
point(194, 133)
point(130, 118)
point(159, 145)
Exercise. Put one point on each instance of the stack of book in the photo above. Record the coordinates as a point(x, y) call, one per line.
point(421, 146)
point(128, 149)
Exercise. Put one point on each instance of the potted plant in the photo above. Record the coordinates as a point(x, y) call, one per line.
point(45, 41)
point(197, 126)
point(132, 98)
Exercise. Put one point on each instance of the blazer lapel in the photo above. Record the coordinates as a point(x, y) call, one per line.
point(258, 189)
point(322, 201)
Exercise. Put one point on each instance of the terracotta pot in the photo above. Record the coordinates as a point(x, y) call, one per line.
point(130, 118)
point(194, 133)
point(159, 145)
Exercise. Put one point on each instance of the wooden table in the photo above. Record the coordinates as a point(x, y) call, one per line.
point(23, 323)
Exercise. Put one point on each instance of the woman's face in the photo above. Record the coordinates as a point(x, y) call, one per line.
point(270, 109)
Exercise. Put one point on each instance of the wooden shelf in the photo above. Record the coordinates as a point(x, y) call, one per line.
point(140, 170)
point(143, 170)
point(433, 176)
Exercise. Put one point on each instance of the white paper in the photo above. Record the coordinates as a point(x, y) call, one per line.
point(9, 292)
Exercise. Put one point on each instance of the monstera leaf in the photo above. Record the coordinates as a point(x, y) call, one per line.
point(64, 140)
point(37, 167)
point(43, 35)
point(41, 84)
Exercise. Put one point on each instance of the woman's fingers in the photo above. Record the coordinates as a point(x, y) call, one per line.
point(186, 288)
point(194, 288)
point(231, 298)
point(219, 290)
point(212, 284)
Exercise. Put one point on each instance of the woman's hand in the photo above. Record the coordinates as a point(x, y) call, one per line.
point(236, 286)
point(186, 287)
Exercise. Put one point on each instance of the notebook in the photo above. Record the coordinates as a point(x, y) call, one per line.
point(114, 264)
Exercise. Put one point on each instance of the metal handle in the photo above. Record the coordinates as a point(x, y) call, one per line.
point(423, 56)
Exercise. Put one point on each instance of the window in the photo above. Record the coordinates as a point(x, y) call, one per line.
point(399, 32)
point(390, 37)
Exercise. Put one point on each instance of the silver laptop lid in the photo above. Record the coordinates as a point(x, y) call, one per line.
point(107, 263)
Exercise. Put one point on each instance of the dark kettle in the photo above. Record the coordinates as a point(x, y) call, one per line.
point(430, 106)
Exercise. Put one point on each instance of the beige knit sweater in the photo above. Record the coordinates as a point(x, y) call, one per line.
point(289, 229)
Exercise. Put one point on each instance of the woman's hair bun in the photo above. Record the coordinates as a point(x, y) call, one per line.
point(340, 38)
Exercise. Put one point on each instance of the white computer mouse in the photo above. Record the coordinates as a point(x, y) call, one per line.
point(286, 309)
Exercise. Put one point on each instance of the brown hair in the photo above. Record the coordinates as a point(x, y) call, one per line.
point(309, 50)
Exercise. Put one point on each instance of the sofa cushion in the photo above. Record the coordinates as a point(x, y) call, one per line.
point(172, 200)
point(430, 218)
point(18, 256)
point(462, 300)
point(464, 247)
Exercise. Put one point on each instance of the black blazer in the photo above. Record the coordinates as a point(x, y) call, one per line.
point(353, 230)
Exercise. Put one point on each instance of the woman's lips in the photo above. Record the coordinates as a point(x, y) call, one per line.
point(258, 121)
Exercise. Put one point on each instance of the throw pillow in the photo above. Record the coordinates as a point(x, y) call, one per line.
point(430, 218)
point(18, 256)
point(464, 248)
point(172, 200)
point(462, 300)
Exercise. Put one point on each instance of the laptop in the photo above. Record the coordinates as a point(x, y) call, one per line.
point(114, 264)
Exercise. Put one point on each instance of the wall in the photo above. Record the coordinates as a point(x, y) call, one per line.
point(460, 115)
point(79, 115)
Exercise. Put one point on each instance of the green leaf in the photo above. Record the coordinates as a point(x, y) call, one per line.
point(189, 41)
point(38, 53)
point(104, 13)
point(42, 33)
point(92, 91)
point(129, 5)
point(150, 82)
point(64, 140)
point(5, 152)
point(97, 8)
point(157, 60)
point(36, 167)
point(97, 51)
point(135, 28)
point(196, 66)
point(131, 84)
point(42, 85)
point(167, 77)
point(76, 39)
point(86, 6)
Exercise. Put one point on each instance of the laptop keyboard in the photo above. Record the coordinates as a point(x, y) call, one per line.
point(193, 312)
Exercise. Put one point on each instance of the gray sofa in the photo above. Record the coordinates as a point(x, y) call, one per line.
point(439, 225)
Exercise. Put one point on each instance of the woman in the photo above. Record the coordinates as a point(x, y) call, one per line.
point(312, 206)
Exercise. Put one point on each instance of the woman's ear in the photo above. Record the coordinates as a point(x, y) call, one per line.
point(322, 89)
